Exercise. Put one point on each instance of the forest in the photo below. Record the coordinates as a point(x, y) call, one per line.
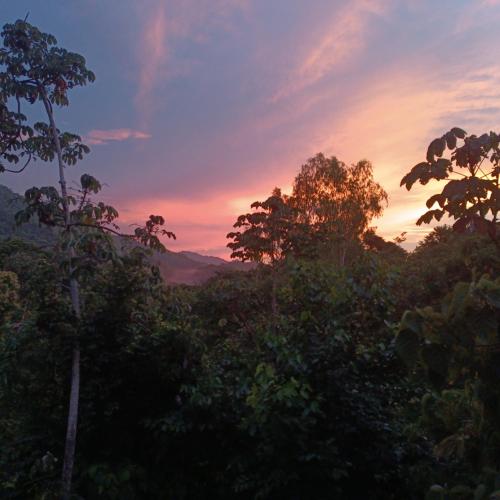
point(339, 366)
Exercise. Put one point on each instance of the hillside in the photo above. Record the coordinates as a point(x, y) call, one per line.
point(203, 259)
point(184, 267)
point(10, 204)
point(191, 268)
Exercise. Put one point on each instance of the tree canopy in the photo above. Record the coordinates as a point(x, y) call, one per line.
point(471, 195)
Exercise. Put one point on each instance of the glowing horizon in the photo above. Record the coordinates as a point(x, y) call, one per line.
point(203, 106)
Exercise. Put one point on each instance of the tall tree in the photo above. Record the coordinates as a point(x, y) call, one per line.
point(34, 69)
point(264, 234)
point(337, 200)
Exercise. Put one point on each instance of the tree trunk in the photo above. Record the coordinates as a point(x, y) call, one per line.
point(343, 252)
point(70, 443)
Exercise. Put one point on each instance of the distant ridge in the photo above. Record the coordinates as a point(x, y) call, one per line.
point(184, 267)
point(191, 268)
point(204, 259)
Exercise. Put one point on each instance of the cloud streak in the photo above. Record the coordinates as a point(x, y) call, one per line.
point(167, 24)
point(99, 137)
point(343, 38)
point(153, 55)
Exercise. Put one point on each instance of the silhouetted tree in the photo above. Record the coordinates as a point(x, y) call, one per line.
point(337, 200)
point(263, 235)
point(471, 195)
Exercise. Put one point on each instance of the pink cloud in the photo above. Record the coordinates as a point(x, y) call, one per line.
point(388, 118)
point(343, 38)
point(200, 225)
point(187, 19)
point(153, 54)
point(97, 136)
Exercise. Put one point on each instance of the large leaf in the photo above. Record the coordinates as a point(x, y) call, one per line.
point(440, 168)
point(451, 446)
point(458, 132)
point(458, 301)
point(436, 198)
point(436, 148)
point(411, 320)
point(420, 172)
point(428, 216)
point(456, 189)
point(451, 140)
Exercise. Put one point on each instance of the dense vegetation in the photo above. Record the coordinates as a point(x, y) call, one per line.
point(340, 367)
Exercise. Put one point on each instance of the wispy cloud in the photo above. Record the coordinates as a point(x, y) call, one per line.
point(167, 23)
point(153, 52)
point(97, 136)
point(342, 39)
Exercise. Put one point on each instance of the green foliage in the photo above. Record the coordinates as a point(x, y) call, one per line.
point(310, 376)
point(441, 260)
point(458, 347)
point(10, 204)
point(195, 393)
point(9, 294)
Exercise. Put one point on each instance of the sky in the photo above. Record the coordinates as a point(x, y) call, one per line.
point(201, 107)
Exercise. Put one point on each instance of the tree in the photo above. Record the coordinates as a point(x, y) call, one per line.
point(471, 195)
point(337, 200)
point(388, 250)
point(35, 69)
point(265, 235)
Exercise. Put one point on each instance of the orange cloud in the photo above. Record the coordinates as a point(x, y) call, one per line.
point(97, 136)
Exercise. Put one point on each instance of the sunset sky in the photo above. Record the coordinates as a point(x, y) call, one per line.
point(201, 107)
